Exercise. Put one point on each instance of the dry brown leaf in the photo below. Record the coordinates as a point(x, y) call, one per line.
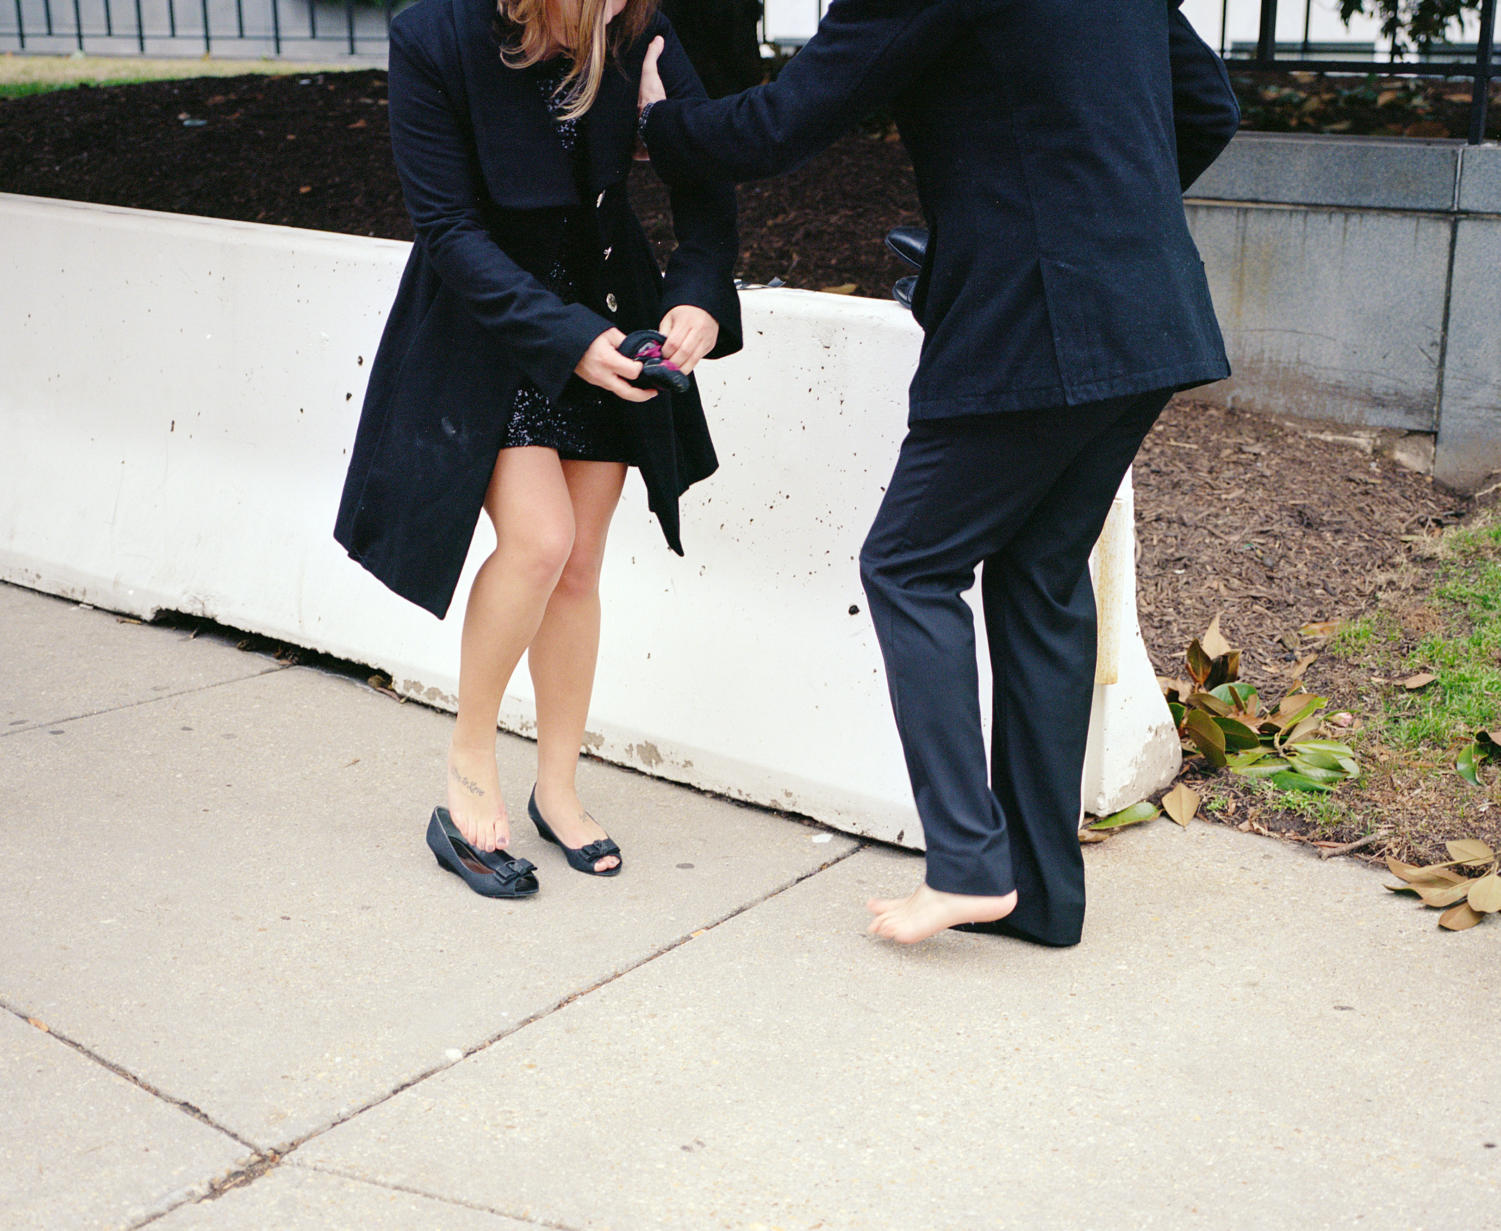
point(843, 288)
point(1088, 837)
point(1181, 803)
point(1213, 640)
point(1321, 628)
point(1485, 894)
point(40, 1025)
point(1444, 895)
point(1421, 680)
point(1457, 918)
point(1471, 852)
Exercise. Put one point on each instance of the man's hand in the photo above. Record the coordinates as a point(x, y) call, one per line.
point(605, 366)
point(652, 90)
point(691, 334)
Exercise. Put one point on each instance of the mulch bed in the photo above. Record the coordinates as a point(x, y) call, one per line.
point(1262, 523)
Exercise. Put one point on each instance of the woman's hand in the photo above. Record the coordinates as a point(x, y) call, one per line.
point(691, 334)
point(652, 89)
point(605, 366)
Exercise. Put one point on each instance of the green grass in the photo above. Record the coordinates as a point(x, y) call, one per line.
point(1465, 655)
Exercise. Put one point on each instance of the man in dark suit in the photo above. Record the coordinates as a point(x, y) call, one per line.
point(1062, 303)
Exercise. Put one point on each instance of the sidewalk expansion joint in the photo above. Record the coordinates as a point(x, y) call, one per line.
point(131, 705)
point(181, 1104)
point(565, 1001)
point(549, 1223)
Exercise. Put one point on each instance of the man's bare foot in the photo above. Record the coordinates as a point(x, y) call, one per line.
point(928, 912)
point(474, 799)
point(566, 817)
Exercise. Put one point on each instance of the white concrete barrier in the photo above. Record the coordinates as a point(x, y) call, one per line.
point(177, 400)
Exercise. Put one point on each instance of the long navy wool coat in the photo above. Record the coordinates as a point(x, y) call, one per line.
point(487, 183)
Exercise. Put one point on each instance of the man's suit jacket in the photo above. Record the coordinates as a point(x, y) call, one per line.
point(1052, 140)
point(488, 183)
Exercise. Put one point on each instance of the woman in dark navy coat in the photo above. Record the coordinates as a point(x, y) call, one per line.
point(1062, 302)
point(498, 384)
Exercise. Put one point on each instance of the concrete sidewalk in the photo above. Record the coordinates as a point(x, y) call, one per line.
point(227, 952)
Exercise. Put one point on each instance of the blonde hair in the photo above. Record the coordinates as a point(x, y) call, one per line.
point(529, 31)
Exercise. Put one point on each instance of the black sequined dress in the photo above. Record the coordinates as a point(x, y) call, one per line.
point(585, 423)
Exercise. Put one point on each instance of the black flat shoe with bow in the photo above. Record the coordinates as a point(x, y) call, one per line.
point(495, 874)
point(582, 858)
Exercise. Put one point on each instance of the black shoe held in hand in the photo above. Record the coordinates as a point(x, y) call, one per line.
point(491, 873)
point(645, 346)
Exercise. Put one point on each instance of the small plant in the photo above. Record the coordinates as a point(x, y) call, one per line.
point(1463, 899)
point(1225, 721)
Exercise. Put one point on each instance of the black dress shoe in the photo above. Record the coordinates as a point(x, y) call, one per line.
point(491, 873)
point(582, 858)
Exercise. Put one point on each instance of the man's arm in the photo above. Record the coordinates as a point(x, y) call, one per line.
point(1205, 113)
point(864, 53)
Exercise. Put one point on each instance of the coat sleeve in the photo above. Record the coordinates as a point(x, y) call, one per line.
point(701, 270)
point(1205, 113)
point(436, 163)
point(863, 54)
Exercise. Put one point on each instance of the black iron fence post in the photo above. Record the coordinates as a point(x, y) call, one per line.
point(1266, 37)
point(1480, 98)
point(20, 26)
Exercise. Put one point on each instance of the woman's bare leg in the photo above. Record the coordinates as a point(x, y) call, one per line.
point(529, 503)
point(564, 651)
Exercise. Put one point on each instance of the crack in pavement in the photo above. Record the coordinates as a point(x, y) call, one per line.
point(268, 1159)
point(131, 705)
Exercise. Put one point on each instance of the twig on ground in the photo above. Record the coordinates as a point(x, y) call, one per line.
point(1349, 848)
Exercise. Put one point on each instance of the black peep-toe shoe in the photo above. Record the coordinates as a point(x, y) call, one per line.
point(582, 858)
point(495, 874)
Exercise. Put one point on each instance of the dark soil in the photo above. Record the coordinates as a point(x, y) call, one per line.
point(1262, 523)
point(315, 152)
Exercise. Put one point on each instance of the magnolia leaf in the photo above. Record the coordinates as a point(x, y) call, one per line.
point(1470, 852)
point(1321, 628)
point(1433, 874)
point(1421, 680)
point(1443, 895)
point(1303, 664)
point(1210, 703)
point(1177, 711)
point(1226, 667)
point(1181, 803)
point(1247, 699)
point(1489, 741)
point(1465, 764)
point(1213, 642)
point(1307, 727)
point(1207, 737)
point(1393, 888)
point(1198, 662)
point(1238, 736)
point(1345, 767)
point(1133, 815)
point(842, 288)
point(1332, 746)
point(1457, 918)
point(1088, 837)
point(1485, 894)
point(1269, 768)
point(1291, 780)
point(1329, 777)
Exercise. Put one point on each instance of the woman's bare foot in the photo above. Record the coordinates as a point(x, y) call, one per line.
point(474, 799)
point(928, 912)
point(566, 817)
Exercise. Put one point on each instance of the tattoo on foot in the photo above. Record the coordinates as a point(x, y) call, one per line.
point(473, 788)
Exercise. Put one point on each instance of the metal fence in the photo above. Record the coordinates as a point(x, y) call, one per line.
point(1445, 61)
point(317, 28)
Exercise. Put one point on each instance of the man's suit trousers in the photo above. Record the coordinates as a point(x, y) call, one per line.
point(1023, 497)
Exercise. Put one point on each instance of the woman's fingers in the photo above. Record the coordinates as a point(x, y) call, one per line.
point(691, 334)
point(606, 368)
point(652, 89)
